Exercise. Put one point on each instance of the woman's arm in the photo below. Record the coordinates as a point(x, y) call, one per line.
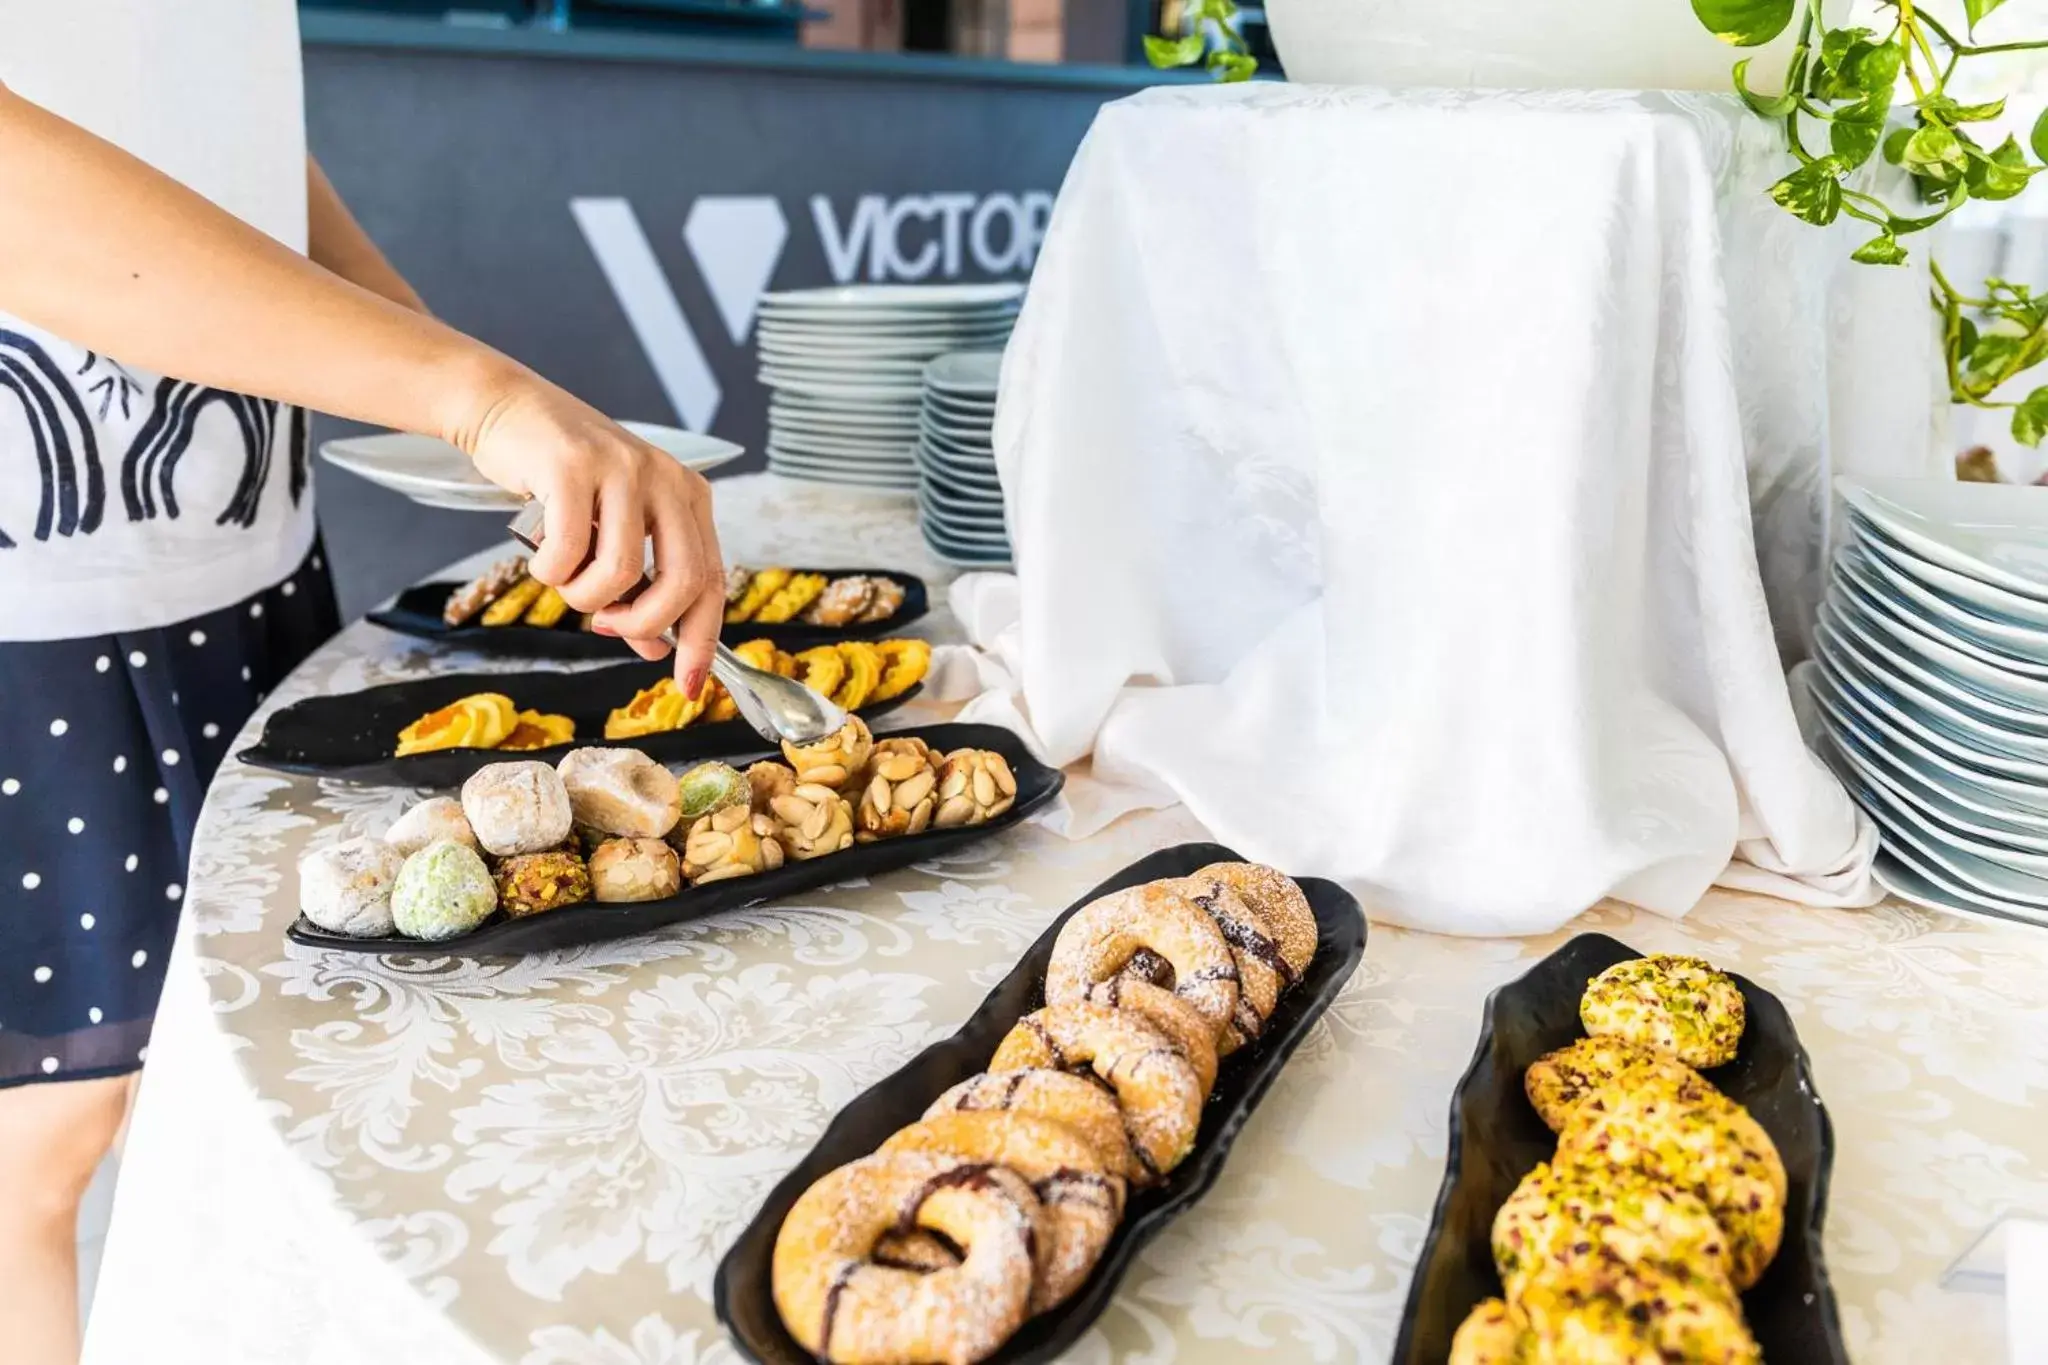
point(335, 239)
point(110, 254)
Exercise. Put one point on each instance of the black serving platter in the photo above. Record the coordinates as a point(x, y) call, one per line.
point(417, 612)
point(1496, 1139)
point(741, 1294)
point(592, 922)
point(352, 735)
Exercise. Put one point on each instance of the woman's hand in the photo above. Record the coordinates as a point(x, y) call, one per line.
point(606, 492)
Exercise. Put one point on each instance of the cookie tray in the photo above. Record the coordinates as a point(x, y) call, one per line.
point(417, 612)
point(741, 1293)
point(1496, 1139)
point(595, 922)
point(351, 735)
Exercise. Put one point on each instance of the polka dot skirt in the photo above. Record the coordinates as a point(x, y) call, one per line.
point(106, 747)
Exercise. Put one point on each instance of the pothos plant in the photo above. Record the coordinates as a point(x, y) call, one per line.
point(1850, 95)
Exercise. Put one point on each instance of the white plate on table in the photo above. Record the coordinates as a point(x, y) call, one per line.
point(954, 495)
point(2001, 638)
point(2015, 800)
point(1969, 593)
point(1945, 806)
point(1902, 879)
point(844, 480)
point(1991, 742)
point(857, 368)
point(1856, 573)
point(1854, 685)
point(894, 451)
point(973, 482)
point(967, 556)
point(1979, 876)
point(1944, 655)
point(874, 395)
point(860, 341)
point(438, 475)
point(1915, 676)
point(891, 418)
point(965, 435)
point(902, 476)
point(1995, 533)
point(973, 373)
point(969, 534)
point(1936, 840)
point(918, 297)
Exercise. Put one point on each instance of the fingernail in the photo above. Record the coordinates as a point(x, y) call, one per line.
point(598, 627)
point(693, 682)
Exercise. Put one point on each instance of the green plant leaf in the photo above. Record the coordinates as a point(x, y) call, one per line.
point(1994, 351)
point(1883, 249)
point(1948, 111)
point(1975, 10)
point(1744, 23)
point(1895, 144)
point(1854, 139)
point(2030, 418)
point(2001, 174)
point(1171, 52)
point(1767, 106)
point(1879, 68)
point(2039, 139)
point(1966, 341)
point(1812, 193)
point(1935, 152)
point(1233, 66)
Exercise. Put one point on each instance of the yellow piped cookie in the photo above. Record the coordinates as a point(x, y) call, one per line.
point(791, 598)
point(537, 730)
point(822, 670)
point(863, 671)
point(479, 721)
point(904, 665)
point(762, 586)
point(655, 710)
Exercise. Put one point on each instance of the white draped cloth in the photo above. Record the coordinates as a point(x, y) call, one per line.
point(1389, 476)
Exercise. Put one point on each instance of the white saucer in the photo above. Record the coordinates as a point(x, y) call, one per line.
point(436, 474)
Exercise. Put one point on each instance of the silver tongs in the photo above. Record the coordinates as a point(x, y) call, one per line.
point(778, 708)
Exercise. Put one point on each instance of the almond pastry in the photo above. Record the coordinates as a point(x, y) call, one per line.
point(728, 843)
point(473, 596)
point(975, 786)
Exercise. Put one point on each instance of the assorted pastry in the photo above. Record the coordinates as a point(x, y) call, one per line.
point(852, 673)
point(612, 825)
point(777, 595)
point(507, 595)
point(997, 1205)
point(1665, 1198)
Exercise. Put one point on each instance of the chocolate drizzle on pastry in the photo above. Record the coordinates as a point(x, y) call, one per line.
point(1247, 939)
point(832, 1296)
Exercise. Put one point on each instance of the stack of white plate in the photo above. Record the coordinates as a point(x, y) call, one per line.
point(845, 367)
point(1932, 688)
point(959, 501)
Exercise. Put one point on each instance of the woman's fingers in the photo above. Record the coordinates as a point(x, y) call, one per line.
point(566, 515)
point(619, 558)
point(698, 633)
point(679, 577)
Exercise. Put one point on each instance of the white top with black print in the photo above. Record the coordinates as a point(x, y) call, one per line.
point(130, 500)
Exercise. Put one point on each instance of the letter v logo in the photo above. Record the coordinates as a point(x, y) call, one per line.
point(627, 259)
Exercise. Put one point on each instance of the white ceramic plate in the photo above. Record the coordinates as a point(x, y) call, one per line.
point(1980, 875)
point(799, 410)
point(1936, 807)
point(968, 532)
point(858, 444)
point(966, 556)
point(1996, 533)
point(916, 296)
point(876, 394)
point(2018, 801)
point(1857, 684)
point(974, 482)
point(797, 469)
point(960, 434)
point(867, 434)
point(857, 368)
point(973, 373)
point(1856, 571)
point(1917, 679)
point(437, 474)
point(926, 342)
point(1902, 879)
point(1991, 742)
point(1917, 600)
point(1932, 835)
point(1965, 591)
point(1942, 655)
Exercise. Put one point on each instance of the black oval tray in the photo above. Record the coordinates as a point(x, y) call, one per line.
point(351, 735)
point(741, 1293)
point(593, 922)
point(417, 612)
point(1496, 1139)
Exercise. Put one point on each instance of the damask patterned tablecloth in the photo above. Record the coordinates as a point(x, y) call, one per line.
point(343, 1159)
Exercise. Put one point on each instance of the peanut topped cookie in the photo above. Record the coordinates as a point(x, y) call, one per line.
point(1680, 1005)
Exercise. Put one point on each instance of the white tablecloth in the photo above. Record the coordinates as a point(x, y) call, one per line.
point(1389, 477)
point(341, 1160)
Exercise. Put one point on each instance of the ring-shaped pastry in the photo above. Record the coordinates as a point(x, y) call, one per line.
point(843, 1306)
point(1260, 966)
point(1182, 1024)
point(1273, 896)
point(1082, 1201)
point(1101, 938)
point(1158, 1091)
point(1058, 1096)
